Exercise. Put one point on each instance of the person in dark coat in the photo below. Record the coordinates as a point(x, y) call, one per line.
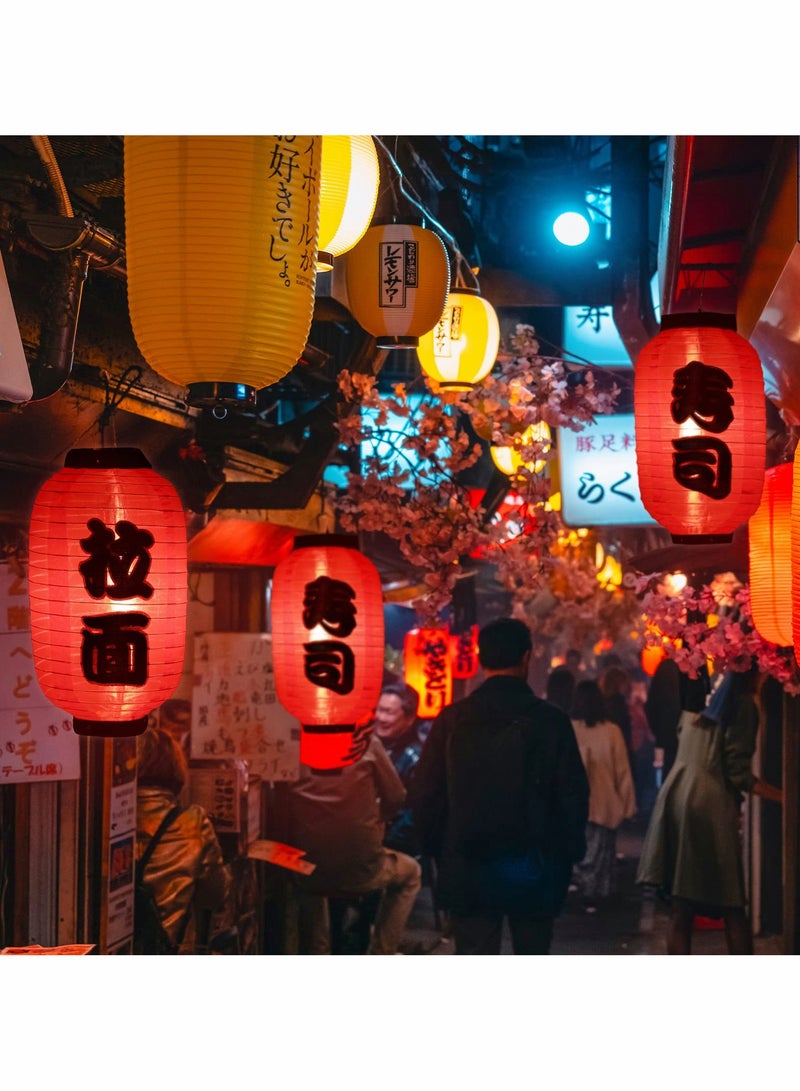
point(501, 798)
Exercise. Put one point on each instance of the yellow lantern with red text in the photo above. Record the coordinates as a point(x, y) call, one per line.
point(464, 653)
point(427, 668)
point(769, 534)
point(348, 193)
point(107, 579)
point(397, 278)
point(328, 645)
point(700, 427)
point(220, 251)
point(462, 347)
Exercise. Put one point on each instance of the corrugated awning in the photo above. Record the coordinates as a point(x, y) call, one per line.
point(241, 542)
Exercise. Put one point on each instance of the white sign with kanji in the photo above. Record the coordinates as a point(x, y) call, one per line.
point(36, 738)
point(235, 709)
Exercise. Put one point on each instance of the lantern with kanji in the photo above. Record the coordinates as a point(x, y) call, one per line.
point(700, 427)
point(461, 349)
point(107, 580)
point(769, 534)
point(397, 278)
point(428, 669)
point(328, 645)
point(464, 653)
point(221, 252)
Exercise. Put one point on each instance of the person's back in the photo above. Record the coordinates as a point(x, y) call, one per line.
point(508, 767)
point(339, 820)
point(186, 871)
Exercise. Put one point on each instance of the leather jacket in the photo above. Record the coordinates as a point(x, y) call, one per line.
point(186, 870)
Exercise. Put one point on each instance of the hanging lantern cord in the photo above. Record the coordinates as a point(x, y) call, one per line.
point(446, 237)
point(130, 376)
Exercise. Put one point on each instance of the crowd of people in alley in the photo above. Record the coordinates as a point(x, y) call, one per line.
point(504, 805)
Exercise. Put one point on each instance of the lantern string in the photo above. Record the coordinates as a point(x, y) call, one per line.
point(113, 398)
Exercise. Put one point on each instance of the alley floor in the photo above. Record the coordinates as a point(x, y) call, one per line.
point(632, 923)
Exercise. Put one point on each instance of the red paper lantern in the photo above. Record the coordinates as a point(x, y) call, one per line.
point(770, 549)
point(651, 656)
point(464, 653)
point(397, 280)
point(428, 669)
point(700, 427)
point(328, 645)
point(107, 584)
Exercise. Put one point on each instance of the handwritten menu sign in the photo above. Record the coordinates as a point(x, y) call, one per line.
point(36, 738)
point(235, 710)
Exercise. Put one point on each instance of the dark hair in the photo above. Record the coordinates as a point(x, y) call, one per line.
point(503, 643)
point(588, 704)
point(615, 680)
point(162, 762)
point(409, 698)
point(561, 687)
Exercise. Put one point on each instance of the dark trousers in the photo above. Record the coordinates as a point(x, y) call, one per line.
point(482, 935)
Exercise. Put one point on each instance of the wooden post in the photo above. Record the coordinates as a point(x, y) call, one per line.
point(791, 824)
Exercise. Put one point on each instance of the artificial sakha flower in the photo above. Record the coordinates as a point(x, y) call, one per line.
point(411, 486)
point(689, 629)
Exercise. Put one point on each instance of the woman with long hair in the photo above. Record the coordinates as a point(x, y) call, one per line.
point(611, 794)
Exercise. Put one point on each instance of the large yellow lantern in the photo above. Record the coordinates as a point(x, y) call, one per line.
point(348, 192)
point(221, 249)
point(509, 460)
point(397, 279)
point(462, 347)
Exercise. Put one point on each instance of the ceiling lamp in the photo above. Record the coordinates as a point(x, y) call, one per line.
point(700, 425)
point(427, 668)
point(509, 460)
point(221, 248)
point(770, 552)
point(462, 347)
point(571, 228)
point(348, 192)
point(397, 279)
point(107, 580)
point(328, 646)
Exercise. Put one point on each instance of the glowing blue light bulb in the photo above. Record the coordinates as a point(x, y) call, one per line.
point(571, 228)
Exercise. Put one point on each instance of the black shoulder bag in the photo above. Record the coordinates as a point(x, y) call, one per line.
point(149, 935)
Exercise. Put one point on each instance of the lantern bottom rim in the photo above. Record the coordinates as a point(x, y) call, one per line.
point(110, 729)
point(221, 396)
point(385, 342)
point(701, 539)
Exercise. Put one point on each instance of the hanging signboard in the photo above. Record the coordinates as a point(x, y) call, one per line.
point(599, 477)
point(235, 710)
point(37, 742)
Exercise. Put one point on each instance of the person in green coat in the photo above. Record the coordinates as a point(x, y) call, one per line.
point(692, 848)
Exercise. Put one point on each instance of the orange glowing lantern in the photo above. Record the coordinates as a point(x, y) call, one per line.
point(770, 551)
point(107, 583)
point(328, 645)
point(652, 655)
point(397, 279)
point(795, 553)
point(700, 427)
point(464, 653)
point(428, 668)
point(461, 349)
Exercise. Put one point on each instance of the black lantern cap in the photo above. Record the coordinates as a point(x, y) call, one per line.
point(698, 319)
point(110, 729)
point(106, 458)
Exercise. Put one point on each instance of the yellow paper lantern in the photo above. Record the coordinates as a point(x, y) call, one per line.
point(348, 192)
point(462, 347)
point(397, 279)
point(509, 460)
point(221, 248)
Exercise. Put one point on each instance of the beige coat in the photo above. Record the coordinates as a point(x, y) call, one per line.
point(605, 758)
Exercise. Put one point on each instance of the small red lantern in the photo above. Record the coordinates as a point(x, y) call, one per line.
point(464, 653)
point(397, 280)
point(107, 584)
point(328, 645)
point(700, 427)
point(770, 549)
point(651, 656)
point(428, 669)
